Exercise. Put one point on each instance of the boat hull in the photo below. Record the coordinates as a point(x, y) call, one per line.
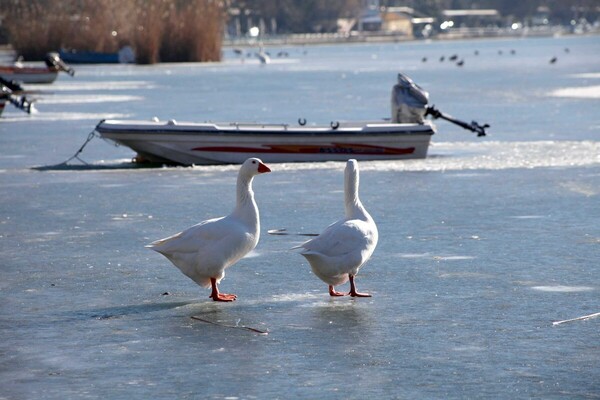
point(207, 143)
point(88, 57)
point(28, 74)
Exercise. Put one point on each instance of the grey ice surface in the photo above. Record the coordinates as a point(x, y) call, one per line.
point(482, 246)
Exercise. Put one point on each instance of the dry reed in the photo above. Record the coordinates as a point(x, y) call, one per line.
point(158, 30)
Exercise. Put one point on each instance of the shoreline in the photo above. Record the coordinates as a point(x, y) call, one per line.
point(304, 39)
point(8, 54)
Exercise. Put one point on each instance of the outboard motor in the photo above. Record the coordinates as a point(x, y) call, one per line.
point(14, 86)
point(409, 101)
point(11, 91)
point(409, 106)
point(53, 61)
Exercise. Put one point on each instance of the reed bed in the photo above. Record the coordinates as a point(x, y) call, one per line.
point(158, 30)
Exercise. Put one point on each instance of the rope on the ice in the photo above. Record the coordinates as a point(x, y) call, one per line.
point(78, 152)
point(584, 318)
point(231, 326)
point(76, 155)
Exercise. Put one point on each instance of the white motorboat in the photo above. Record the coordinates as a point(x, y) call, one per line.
point(28, 74)
point(406, 135)
point(232, 143)
point(36, 74)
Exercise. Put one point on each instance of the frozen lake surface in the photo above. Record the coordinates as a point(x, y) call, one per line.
point(482, 246)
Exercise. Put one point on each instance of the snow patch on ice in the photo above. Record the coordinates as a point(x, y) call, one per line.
point(469, 156)
point(563, 289)
point(586, 190)
point(75, 99)
point(66, 86)
point(62, 116)
point(587, 75)
point(453, 258)
point(585, 92)
point(414, 255)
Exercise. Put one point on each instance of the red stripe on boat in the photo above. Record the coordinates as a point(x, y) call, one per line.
point(25, 70)
point(348, 148)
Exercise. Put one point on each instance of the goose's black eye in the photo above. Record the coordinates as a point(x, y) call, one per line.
point(253, 162)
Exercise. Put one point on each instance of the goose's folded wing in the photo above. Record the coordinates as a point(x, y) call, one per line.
point(337, 239)
point(189, 240)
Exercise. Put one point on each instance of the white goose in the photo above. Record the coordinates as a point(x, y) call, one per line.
point(203, 251)
point(345, 246)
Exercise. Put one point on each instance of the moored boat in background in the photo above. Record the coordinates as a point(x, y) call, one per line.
point(34, 74)
point(123, 56)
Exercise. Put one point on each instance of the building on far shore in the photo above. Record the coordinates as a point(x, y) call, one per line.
point(397, 20)
point(387, 20)
point(472, 18)
point(370, 17)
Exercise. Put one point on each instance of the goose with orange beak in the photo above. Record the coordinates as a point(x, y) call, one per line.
point(203, 251)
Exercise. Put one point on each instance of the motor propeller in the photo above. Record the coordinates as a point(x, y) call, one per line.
point(474, 126)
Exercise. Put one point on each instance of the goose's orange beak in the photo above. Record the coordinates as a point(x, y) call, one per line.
point(262, 168)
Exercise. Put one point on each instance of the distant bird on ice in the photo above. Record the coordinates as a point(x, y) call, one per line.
point(337, 254)
point(263, 56)
point(553, 60)
point(205, 250)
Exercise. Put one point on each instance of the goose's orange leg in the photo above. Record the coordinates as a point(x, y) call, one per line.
point(334, 293)
point(216, 296)
point(353, 291)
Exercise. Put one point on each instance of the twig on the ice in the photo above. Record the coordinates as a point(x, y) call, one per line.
point(284, 231)
point(583, 318)
point(231, 326)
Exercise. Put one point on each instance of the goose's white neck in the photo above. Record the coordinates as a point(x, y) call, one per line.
point(353, 205)
point(245, 207)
